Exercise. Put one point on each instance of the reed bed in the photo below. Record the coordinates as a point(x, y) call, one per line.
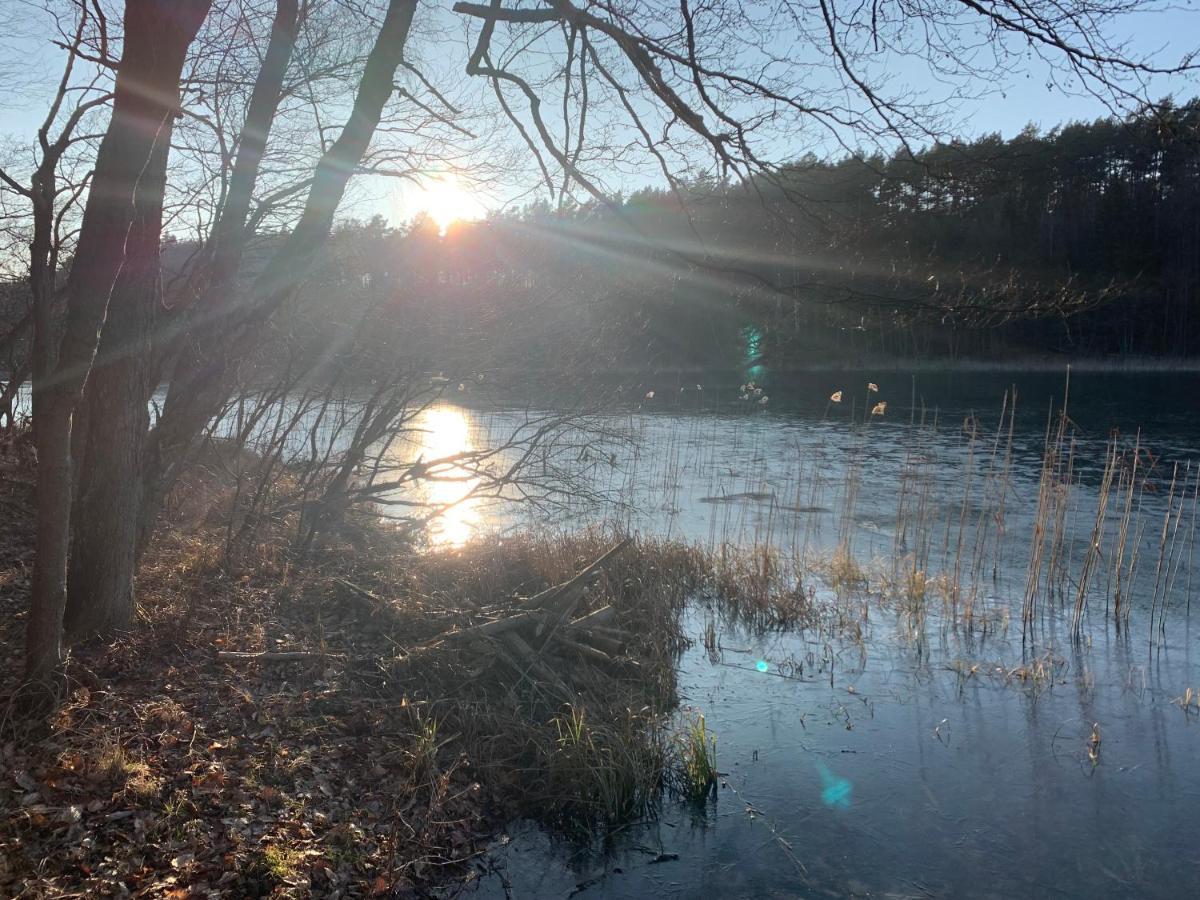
point(925, 510)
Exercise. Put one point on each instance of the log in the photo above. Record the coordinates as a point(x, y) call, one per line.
point(610, 645)
point(585, 650)
point(488, 629)
point(532, 663)
point(563, 598)
point(564, 607)
point(610, 631)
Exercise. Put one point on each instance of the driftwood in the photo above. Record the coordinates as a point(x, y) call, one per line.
point(584, 649)
point(532, 660)
point(544, 623)
point(490, 629)
point(601, 640)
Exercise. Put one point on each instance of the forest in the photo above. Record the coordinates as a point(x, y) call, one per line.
point(1080, 242)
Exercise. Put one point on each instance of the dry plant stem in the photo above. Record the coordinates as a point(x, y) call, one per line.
point(1174, 553)
point(1097, 536)
point(1191, 541)
point(1123, 532)
point(1162, 549)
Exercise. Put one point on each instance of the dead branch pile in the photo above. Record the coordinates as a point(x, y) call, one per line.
point(546, 637)
point(550, 640)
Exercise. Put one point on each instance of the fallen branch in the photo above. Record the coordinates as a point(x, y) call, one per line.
point(585, 650)
point(532, 662)
point(609, 644)
point(556, 603)
point(487, 629)
point(562, 594)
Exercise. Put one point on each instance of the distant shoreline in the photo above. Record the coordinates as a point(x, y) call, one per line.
point(1032, 364)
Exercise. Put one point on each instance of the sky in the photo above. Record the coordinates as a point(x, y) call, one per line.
point(1026, 100)
point(1008, 108)
point(28, 61)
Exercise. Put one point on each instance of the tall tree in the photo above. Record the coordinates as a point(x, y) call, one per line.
point(200, 382)
point(118, 240)
point(125, 373)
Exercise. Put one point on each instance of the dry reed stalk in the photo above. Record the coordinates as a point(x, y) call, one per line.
point(1005, 483)
point(1191, 541)
point(1123, 530)
point(1045, 493)
point(1093, 550)
point(1173, 554)
point(1162, 548)
point(955, 585)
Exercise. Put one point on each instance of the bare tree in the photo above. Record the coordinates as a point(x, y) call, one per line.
point(109, 455)
point(50, 196)
point(117, 253)
point(200, 382)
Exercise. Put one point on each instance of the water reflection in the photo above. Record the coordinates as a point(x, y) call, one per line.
point(443, 432)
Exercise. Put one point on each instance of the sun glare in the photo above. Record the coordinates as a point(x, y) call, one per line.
point(447, 201)
point(443, 431)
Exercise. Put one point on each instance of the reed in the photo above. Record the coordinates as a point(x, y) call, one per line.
point(1092, 554)
point(1175, 554)
point(1164, 535)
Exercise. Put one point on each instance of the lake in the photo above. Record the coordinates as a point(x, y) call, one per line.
point(946, 745)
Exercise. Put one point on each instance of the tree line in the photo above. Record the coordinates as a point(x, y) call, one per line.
point(1083, 240)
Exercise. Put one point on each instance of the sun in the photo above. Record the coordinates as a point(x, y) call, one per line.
point(447, 201)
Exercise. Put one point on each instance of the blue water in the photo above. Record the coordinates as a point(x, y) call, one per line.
point(912, 756)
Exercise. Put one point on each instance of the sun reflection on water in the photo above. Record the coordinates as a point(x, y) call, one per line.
point(445, 431)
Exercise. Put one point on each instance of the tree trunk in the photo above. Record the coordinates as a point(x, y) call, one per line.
point(198, 390)
point(157, 34)
point(113, 418)
point(111, 426)
point(44, 628)
point(227, 245)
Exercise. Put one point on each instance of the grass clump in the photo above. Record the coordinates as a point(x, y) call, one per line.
point(844, 571)
point(278, 862)
point(697, 766)
point(134, 776)
point(604, 771)
point(269, 868)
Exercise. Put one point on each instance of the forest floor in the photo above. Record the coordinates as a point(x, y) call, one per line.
point(357, 767)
